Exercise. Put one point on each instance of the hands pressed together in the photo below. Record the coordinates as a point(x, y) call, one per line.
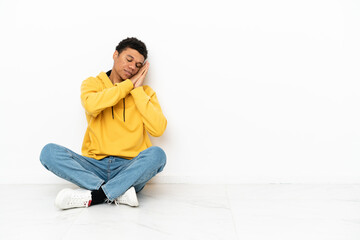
point(138, 79)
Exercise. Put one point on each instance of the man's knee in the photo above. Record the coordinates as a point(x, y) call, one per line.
point(158, 155)
point(47, 153)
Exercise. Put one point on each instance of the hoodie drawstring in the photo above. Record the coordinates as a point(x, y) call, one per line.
point(112, 110)
point(124, 109)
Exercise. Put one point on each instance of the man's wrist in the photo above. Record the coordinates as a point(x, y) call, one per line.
point(126, 83)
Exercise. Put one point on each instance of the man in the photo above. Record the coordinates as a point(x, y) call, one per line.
point(117, 156)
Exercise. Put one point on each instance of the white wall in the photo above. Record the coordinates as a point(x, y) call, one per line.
point(254, 91)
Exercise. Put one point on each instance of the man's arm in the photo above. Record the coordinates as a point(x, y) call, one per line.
point(150, 110)
point(95, 100)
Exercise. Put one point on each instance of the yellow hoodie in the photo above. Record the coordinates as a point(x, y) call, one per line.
point(119, 118)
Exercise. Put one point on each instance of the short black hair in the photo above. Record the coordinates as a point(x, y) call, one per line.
point(133, 43)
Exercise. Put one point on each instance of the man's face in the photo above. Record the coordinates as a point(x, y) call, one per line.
point(127, 63)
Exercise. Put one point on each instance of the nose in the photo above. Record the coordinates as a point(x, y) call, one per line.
point(132, 66)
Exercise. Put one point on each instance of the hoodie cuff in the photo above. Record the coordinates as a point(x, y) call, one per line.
point(127, 84)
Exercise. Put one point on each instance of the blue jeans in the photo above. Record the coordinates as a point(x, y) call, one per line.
point(114, 174)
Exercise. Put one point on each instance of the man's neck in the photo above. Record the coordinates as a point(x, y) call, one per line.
point(114, 77)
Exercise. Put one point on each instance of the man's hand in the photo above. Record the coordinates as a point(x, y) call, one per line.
point(138, 79)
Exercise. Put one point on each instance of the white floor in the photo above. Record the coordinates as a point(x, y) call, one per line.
point(181, 211)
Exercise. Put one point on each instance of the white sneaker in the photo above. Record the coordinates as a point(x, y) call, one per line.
point(128, 198)
point(73, 198)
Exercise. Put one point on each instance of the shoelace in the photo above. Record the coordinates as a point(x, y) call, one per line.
point(121, 199)
point(116, 201)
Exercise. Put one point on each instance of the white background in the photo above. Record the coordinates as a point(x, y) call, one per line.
point(254, 91)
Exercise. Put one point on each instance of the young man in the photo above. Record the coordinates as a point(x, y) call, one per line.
point(117, 156)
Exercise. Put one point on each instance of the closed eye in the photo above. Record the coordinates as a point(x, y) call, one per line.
point(130, 59)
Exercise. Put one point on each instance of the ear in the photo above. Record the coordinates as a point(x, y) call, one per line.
point(116, 54)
